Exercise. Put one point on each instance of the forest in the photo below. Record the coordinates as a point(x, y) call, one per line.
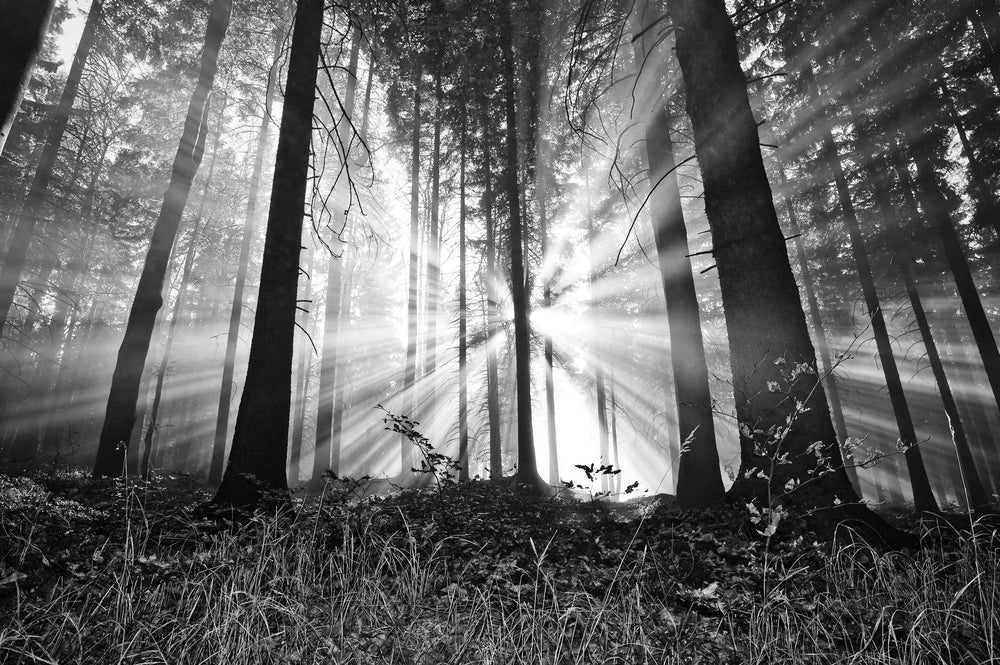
point(510, 331)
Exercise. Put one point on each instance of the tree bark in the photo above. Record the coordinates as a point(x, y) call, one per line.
point(412, 330)
point(257, 461)
point(764, 317)
point(27, 219)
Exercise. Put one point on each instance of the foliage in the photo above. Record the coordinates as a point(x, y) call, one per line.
point(126, 575)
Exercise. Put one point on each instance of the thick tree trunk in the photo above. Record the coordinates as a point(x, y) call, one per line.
point(327, 448)
point(120, 415)
point(527, 469)
point(27, 219)
point(923, 495)
point(768, 336)
point(236, 313)
point(257, 461)
point(21, 35)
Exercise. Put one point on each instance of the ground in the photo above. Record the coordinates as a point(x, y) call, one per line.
point(120, 571)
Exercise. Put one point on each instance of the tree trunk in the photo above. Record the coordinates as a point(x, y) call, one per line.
point(827, 366)
point(603, 436)
point(975, 495)
point(433, 259)
point(410, 371)
point(24, 230)
point(527, 469)
point(923, 495)
point(696, 468)
point(492, 310)
point(21, 36)
point(233, 337)
point(934, 205)
point(302, 383)
point(463, 315)
point(168, 343)
point(120, 415)
point(256, 470)
point(327, 449)
point(987, 210)
point(766, 325)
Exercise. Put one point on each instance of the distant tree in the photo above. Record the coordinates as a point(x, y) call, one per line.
point(260, 442)
point(121, 408)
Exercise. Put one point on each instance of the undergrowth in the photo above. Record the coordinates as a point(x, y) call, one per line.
point(108, 572)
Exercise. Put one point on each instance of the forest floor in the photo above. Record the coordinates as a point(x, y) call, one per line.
point(121, 572)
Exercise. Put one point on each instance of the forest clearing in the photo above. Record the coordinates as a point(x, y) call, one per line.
point(513, 331)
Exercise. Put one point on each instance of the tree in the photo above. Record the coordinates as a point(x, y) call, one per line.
point(236, 312)
point(17, 249)
point(24, 26)
point(527, 469)
point(699, 480)
point(260, 442)
point(780, 404)
point(120, 414)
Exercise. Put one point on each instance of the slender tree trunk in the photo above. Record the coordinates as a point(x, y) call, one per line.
point(168, 343)
point(463, 315)
point(934, 205)
point(923, 495)
point(492, 311)
point(826, 366)
point(878, 176)
point(257, 460)
point(527, 469)
point(987, 208)
point(433, 285)
point(612, 389)
point(21, 35)
point(120, 415)
point(699, 479)
point(302, 384)
point(989, 53)
point(327, 449)
point(597, 353)
point(764, 317)
point(24, 230)
point(410, 371)
point(236, 313)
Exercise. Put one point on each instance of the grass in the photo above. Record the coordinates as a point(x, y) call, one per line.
point(107, 572)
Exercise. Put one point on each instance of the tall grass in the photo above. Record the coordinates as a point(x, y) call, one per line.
point(292, 590)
